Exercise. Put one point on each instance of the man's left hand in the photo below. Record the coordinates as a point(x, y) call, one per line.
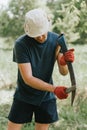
point(67, 57)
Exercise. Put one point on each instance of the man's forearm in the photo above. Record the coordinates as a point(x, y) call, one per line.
point(39, 84)
point(63, 69)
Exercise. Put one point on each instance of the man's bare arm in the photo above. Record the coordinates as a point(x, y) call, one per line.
point(29, 79)
point(62, 69)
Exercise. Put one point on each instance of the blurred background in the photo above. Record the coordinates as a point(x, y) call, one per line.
point(68, 17)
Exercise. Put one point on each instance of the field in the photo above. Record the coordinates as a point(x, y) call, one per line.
point(70, 118)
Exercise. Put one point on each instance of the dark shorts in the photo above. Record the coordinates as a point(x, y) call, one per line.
point(22, 112)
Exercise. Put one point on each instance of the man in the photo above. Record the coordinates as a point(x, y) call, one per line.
point(35, 52)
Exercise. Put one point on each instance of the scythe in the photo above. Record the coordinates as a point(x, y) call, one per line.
point(62, 43)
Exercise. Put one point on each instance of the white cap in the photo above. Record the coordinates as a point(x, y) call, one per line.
point(36, 23)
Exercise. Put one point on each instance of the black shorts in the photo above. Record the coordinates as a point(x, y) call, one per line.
point(22, 112)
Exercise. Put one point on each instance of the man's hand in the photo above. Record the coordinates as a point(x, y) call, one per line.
point(67, 57)
point(60, 92)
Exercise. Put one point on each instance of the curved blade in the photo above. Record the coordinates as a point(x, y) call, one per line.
point(73, 90)
point(73, 97)
point(62, 43)
point(73, 81)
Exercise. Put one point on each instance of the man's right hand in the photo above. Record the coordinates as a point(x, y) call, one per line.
point(60, 92)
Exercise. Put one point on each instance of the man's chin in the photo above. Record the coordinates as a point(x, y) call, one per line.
point(41, 41)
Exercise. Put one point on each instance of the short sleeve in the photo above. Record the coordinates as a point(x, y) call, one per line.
point(20, 53)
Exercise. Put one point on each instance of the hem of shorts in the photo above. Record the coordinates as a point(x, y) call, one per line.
point(23, 122)
point(49, 122)
point(19, 122)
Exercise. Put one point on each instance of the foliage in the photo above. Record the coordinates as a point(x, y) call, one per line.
point(4, 109)
point(82, 25)
point(12, 19)
point(70, 17)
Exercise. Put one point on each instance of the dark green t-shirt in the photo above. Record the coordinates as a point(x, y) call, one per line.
point(42, 60)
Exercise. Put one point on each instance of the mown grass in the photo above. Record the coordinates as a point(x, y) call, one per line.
point(70, 118)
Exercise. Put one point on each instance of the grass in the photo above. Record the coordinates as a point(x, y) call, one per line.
point(70, 118)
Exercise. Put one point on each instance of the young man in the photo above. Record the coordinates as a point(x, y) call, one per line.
point(35, 52)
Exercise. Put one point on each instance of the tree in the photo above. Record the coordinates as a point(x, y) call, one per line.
point(12, 19)
point(70, 17)
point(82, 25)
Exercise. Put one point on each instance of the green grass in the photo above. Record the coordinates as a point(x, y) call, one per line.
point(70, 118)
